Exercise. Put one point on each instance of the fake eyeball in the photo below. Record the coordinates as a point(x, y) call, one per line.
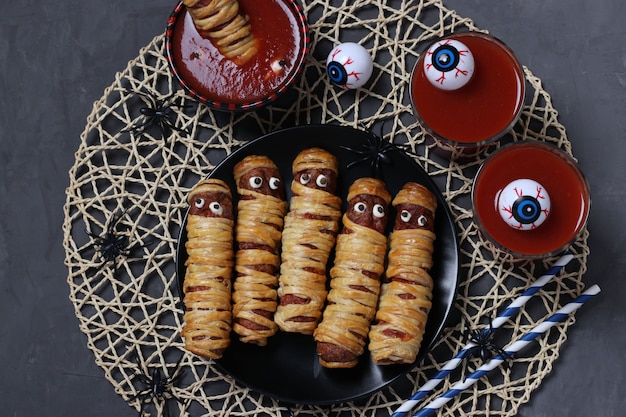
point(449, 64)
point(349, 65)
point(523, 204)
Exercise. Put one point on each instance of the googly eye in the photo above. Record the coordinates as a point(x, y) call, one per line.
point(321, 181)
point(405, 216)
point(449, 64)
point(349, 65)
point(216, 208)
point(304, 179)
point(199, 202)
point(274, 183)
point(256, 182)
point(422, 220)
point(278, 66)
point(360, 207)
point(378, 211)
point(524, 204)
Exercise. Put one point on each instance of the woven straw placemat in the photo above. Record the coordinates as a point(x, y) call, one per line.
point(136, 181)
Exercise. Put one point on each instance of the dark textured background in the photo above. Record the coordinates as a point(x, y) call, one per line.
point(56, 59)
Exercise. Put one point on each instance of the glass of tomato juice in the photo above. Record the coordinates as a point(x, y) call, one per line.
point(529, 200)
point(467, 91)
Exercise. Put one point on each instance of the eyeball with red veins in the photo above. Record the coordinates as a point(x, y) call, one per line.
point(524, 204)
point(449, 64)
point(349, 65)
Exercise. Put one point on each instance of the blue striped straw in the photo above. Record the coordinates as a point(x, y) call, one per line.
point(506, 314)
point(512, 349)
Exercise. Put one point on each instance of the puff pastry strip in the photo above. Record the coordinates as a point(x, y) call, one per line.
point(207, 283)
point(405, 299)
point(260, 214)
point(222, 22)
point(311, 227)
point(355, 276)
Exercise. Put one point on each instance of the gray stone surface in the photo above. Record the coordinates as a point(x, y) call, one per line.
point(56, 58)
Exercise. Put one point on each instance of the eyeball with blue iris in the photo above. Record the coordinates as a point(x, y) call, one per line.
point(449, 64)
point(524, 204)
point(349, 65)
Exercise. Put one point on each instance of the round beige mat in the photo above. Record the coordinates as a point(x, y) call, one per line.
point(134, 182)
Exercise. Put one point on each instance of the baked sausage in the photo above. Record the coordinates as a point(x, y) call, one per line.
point(207, 283)
point(260, 214)
point(311, 226)
point(406, 294)
point(355, 276)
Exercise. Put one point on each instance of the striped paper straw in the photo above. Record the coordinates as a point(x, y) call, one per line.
point(512, 349)
point(506, 314)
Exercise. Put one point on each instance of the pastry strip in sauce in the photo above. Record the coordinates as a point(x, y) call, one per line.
point(207, 284)
point(309, 234)
point(260, 214)
point(406, 294)
point(222, 22)
point(355, 276)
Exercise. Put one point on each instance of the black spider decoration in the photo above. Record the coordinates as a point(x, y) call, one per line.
point(112, 243)
point(158, 111)
point(484, 346)
point(157, 388)
point(375, 152)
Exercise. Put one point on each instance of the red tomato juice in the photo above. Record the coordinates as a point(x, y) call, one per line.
point(552, 168)
point(482, 110)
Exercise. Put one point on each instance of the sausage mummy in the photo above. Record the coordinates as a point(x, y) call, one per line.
point(207, 284)
point(225, 26)
point(260, 214)
point(309, 234)
point(405, 300)
point(355, 276)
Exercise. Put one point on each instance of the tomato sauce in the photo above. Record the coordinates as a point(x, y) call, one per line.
point(206, 70)
point(485, 108)
point(568, 190)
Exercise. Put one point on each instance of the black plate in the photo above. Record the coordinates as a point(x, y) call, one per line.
point(287, 368)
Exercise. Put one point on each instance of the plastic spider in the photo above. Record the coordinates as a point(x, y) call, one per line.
point(112, 243)
point(157, 387)
point(375, 152)
point(158, 111)
point(484, 346)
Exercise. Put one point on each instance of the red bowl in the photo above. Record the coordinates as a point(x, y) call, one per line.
point(282, 32)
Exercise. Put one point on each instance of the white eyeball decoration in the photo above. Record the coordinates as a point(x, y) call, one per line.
point(349, 65)
point(216, 208)
point(449, 64)
point(524, 204)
